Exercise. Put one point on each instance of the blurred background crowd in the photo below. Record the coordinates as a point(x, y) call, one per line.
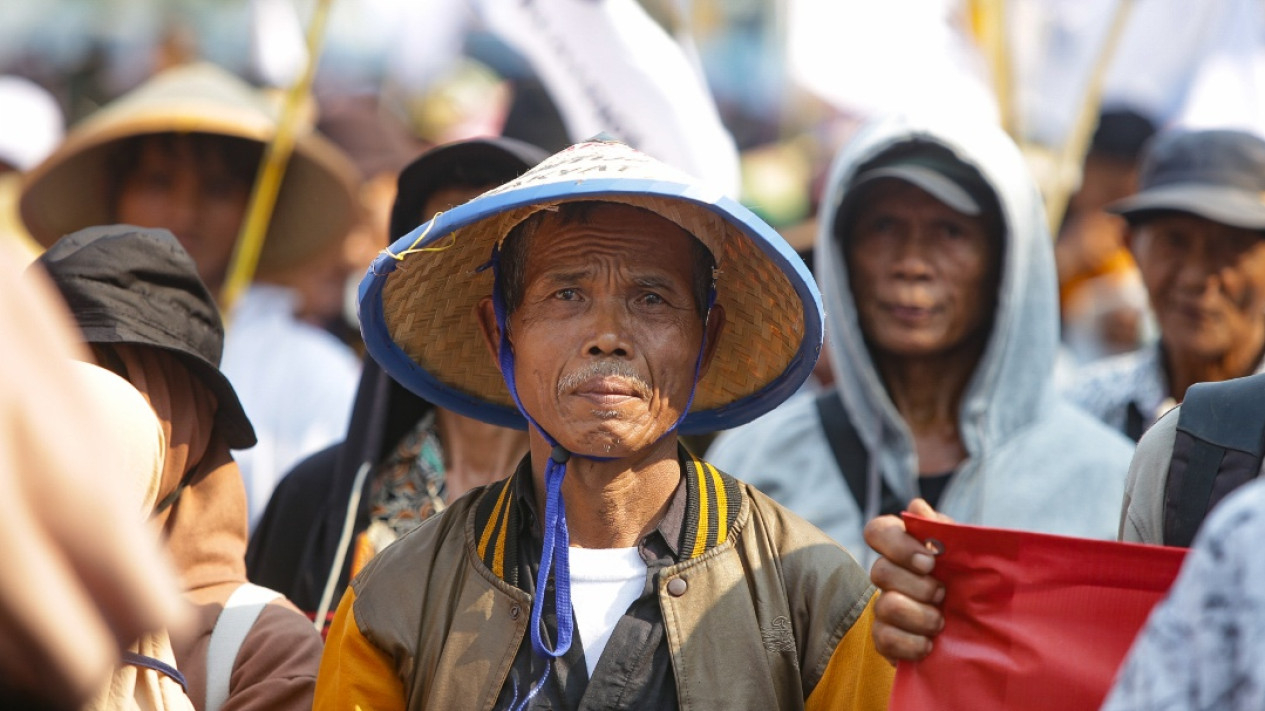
point(790, 79)
point(755, 97)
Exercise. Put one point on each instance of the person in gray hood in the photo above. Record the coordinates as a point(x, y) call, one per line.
point(938, 279)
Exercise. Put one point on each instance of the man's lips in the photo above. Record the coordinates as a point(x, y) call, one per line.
point(609, 389)
point(910, 313)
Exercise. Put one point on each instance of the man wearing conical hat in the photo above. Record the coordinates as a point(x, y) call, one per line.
point(181, 152)
point(606, 303)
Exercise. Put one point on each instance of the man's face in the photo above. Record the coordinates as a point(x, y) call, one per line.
point(1206, 281)
point(923, 275)
point(196, 197)
point(607, 333)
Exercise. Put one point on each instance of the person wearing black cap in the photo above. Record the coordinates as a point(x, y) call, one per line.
point(1101, 297)
point(1195, 229)
point(147, 316)
point(403, 459)
point(938, 277)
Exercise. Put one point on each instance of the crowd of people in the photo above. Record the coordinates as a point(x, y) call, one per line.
point(505, 426)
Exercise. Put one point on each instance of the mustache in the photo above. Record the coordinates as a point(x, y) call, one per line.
point(604, 369)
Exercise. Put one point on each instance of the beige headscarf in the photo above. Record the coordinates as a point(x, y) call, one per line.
point(134, 462)
point(205, 528)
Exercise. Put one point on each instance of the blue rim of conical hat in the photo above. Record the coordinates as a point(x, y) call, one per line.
point(418, 298)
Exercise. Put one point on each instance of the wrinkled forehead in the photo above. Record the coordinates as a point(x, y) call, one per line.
point(611, 213)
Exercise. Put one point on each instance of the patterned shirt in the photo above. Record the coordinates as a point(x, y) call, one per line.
point(408, 487)
point(1129, 392)
point(1204, 645)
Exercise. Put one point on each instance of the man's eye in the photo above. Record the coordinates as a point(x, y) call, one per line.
point(653, 299)
point(565, 294)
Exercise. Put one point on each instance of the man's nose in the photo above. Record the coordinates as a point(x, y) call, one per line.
point(911, 256)
point(610, 332)
point(1197, 266)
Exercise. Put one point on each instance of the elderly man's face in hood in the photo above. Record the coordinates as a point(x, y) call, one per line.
point(924, 276)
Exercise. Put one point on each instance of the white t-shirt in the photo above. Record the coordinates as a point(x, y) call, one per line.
point(604, 582)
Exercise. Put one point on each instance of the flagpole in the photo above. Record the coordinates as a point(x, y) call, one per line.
point(989, 24)
point(277, 154)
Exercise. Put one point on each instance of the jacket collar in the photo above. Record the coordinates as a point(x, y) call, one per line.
point(700, 515)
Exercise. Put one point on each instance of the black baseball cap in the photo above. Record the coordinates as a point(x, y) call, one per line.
point(1218, 175)
point(135, 285)
point(474, 162)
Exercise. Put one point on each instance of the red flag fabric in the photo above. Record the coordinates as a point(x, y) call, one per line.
point(1032, 621)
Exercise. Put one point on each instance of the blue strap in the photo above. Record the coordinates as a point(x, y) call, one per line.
point(157, 665)
point(557, 540)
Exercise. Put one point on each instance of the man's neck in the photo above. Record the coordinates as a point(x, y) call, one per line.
point(612, 504)
point(927, 392)
point(476, 453)
point(1185, 371)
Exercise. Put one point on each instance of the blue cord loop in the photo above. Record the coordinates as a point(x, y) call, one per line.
point(554, 556)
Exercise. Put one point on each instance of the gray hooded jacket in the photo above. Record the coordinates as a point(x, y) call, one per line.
point(1034, 462)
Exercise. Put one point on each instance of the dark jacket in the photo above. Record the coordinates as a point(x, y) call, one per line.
point(293, 547)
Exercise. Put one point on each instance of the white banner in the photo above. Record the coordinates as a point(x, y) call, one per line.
point(609, 67)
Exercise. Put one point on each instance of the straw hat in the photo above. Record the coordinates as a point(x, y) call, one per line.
point(68, 191)
point(417, 302)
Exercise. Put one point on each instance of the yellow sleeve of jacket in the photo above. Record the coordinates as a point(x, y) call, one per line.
point(857, 676)
point(355, 674)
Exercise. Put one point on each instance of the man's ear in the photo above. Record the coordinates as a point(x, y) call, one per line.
point(714, 327)
point(486, 312)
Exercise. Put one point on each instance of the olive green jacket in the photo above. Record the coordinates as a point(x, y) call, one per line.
point(772, 615)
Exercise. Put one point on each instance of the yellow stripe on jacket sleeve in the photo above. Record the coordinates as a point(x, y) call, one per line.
point(857, 677)
point(722, 504)
point(354, 672)
point(700, 538)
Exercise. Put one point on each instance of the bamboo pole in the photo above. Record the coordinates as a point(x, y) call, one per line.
point(1072, 155)
point(263, 198)
point(988, 20)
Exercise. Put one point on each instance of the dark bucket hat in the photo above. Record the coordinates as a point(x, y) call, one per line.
point(135, 285)
point(1218, 175)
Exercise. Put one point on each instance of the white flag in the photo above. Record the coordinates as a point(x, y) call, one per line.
point(610, 68)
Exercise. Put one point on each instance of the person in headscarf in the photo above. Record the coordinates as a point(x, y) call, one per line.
point(606, 302)
point(403, 459)
point(132, 460)
point(139, 304)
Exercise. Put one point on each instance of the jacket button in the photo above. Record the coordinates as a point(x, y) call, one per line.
point(515, 611)
point(677, 587)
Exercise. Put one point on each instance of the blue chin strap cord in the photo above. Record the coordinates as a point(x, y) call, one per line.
point(554, 555)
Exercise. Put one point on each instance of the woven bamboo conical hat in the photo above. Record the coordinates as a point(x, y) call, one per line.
point(418, 299)
point(69, 191)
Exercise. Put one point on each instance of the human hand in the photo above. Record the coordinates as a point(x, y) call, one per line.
point(907, 613)
point(86, 576)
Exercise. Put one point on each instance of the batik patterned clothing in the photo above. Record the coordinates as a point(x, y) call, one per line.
point(1128, 392)
point(1204, 645)
point(407, 488)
